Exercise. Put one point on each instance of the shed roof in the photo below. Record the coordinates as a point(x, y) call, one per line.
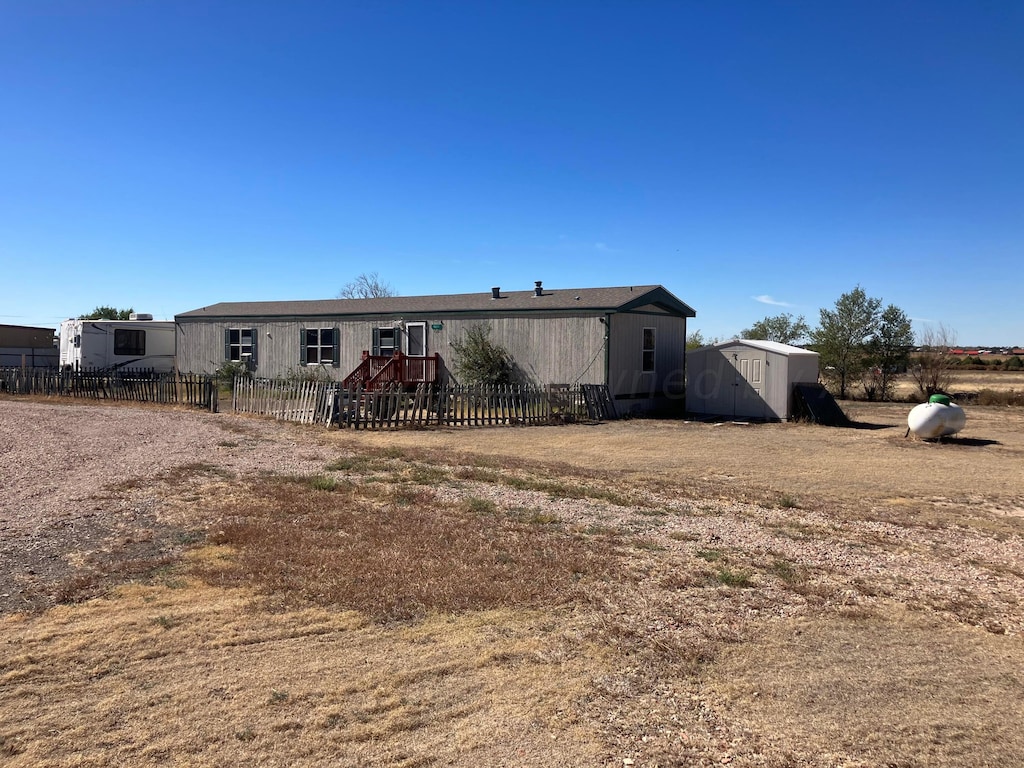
point(768, 346)
point(621, 299)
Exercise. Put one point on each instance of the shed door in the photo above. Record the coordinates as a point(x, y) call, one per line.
point(749, 386)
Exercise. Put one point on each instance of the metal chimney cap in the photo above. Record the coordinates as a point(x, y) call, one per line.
point(496, 292)
point(538, 290)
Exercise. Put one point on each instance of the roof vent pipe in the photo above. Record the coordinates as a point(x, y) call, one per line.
point(495, 292)
point(537, 290)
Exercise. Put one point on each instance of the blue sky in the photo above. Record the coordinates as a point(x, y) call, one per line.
point(752, 157)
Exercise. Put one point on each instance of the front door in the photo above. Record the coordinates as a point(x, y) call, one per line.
point(416, 339)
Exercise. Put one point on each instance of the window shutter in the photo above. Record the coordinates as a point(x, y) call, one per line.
point(227, 343)
point(254, 340)
point(302, 346)
point(337, 348)
point(376, 341)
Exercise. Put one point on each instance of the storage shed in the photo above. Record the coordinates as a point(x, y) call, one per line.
point(747, 378)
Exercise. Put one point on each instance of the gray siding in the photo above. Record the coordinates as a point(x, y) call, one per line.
point(777, 389)
point(632, 388)
point(568, 336)
point(709, 376)
point(546, 349)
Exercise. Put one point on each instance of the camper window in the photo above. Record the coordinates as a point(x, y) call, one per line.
point(128, 341)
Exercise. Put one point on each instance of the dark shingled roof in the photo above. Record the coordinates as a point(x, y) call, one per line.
point(565, 300)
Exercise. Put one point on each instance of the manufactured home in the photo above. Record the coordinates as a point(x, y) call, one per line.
point(630, 338)
point(139, 342)
point(748, 379)
point(26, 346)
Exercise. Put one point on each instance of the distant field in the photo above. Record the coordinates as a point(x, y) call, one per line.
point(972, 381)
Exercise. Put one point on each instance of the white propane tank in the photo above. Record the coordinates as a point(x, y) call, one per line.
point(936, 418)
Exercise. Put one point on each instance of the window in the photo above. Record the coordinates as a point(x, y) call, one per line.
point(129, 342)
point(648, 350)
point(319, 346)
point(240, 345)
point(384, 341)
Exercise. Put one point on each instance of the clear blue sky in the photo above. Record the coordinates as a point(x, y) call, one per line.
point(752, 157)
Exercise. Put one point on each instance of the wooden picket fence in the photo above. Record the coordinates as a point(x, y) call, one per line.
point(328, 403)
point(427, 405)
point(135, 385)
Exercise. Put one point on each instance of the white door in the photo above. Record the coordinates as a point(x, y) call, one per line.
point(749, 385)
point(416, 339)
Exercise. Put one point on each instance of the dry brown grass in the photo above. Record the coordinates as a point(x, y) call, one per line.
point(196, 676)
point(891, 687)
point(875, 471)
point(971, 381)
point(670, 593)
point(392, 552)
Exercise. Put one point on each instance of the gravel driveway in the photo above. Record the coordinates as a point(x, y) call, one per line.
point(71, 474)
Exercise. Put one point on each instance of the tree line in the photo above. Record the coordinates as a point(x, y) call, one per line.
point(861, 342)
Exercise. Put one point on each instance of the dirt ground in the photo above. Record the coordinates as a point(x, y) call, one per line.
point(872, 467)
point(783, 595)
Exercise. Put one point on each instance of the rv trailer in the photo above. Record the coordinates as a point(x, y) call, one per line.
point(140, 342)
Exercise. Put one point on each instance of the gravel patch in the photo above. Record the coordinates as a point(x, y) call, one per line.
point(65, 470)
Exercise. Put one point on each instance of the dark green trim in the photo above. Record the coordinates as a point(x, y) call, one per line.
point(607, 348)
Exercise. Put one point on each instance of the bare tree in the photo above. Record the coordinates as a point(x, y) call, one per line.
point(932, 365)
point(367, 286)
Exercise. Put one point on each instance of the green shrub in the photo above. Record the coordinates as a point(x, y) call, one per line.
point(308, 374)
point(731, 578)
point(229, 371)
point(478, 360)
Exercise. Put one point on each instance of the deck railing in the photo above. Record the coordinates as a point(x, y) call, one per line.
point(378, 371)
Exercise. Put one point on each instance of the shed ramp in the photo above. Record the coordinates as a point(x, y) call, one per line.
point(815, 403)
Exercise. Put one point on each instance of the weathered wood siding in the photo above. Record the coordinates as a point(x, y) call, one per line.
point(547, 348)
point(552, 349)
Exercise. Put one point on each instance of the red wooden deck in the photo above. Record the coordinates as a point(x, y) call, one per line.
point(377, 371)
